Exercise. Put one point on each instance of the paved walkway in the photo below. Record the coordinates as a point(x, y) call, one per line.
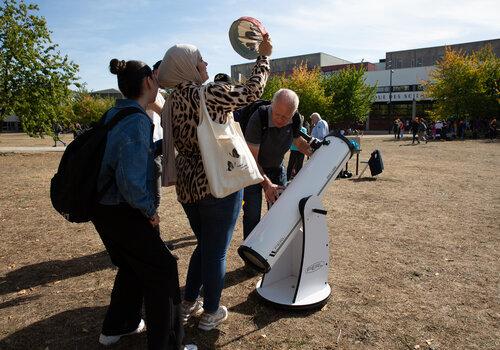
point(61, 149)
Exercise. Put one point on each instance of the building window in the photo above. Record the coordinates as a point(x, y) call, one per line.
point(412, 62)
point(419, 62)
point(401, 88)
point(399, 63)
point(382, 89)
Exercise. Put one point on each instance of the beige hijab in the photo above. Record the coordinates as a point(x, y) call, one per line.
point(178, 65)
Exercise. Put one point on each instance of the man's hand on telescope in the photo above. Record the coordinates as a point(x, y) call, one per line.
point(303, 146)
point(272, 191)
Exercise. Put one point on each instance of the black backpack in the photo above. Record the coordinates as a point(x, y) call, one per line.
point(243, 115)
point(73, 189)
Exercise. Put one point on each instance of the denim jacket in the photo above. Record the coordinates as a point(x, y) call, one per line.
point(129, 161)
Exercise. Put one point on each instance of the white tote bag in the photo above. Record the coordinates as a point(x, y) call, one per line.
point(227, 160)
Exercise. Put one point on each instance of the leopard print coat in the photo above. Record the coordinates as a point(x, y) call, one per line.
point(221, 99)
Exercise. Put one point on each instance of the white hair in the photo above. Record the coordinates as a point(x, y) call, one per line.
point(287, 96)
point(315, 115)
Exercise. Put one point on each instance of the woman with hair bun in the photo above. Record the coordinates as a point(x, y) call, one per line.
point(127, 221)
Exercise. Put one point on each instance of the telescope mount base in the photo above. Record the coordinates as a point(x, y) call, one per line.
point(299, 279)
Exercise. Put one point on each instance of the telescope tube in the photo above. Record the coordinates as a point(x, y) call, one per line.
point(273, 233)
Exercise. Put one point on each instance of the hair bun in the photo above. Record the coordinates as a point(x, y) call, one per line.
point(116, 66)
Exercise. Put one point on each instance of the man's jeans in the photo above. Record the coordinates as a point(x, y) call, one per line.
point(252, 199)
point(212, 221)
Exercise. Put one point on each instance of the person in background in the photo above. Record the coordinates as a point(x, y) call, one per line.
point(154, 110)
point(493, 129)
point(212, 219)
point(415, 124)
point(320, 126)
point(401, 129)
point(422, 130)
point(57, 130)
point(396, 129)
point(296, 158)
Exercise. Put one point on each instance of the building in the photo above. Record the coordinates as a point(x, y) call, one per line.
point(399, 94)
point(285, 65)
point(113, 93)
point(11, 124)
point(398, 77)
point(428, 56)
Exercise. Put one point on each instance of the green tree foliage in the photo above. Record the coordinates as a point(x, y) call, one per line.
point(87, 109)
point(307, 84)
point(34, 76)
point(465, 86)
point(274, 83)
point(343, 97)
point(351, 97)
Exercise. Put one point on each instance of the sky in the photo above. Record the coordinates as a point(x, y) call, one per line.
point(92, 32)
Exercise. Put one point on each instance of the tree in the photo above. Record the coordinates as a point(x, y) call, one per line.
point(34, 76)
point(87, 109)
point(307, 84)
point(274, 83)
point(351, 97)
point(465, 86)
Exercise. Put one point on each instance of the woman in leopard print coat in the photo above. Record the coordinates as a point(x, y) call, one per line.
point(212, 219)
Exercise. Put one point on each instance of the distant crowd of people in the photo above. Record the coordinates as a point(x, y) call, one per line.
point(422, 130)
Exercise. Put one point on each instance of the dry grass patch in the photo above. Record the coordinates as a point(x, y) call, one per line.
point(414, 261)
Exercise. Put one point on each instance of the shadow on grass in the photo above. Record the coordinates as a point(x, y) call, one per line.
point(364, 179)
point(51, 271)
point(72, 329)
point(18, 301)
point(263, 314)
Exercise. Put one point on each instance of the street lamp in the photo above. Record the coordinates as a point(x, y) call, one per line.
point(390, 91)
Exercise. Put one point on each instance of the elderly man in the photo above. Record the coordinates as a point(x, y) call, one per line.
point(270, 132)
point(320, 127)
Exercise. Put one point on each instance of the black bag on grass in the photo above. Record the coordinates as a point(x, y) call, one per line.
point(375, 162)
point(73, 189)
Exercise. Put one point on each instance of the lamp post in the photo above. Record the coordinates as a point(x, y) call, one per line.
point(390, 91)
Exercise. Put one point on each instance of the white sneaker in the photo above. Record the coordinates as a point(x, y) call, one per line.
point(210, 321)
point(189, 309)
point(190, 347)
point(112, 339)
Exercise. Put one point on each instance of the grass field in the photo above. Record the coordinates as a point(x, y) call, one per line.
point(414, 261)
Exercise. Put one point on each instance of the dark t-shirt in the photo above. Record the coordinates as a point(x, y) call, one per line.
point(274, 142)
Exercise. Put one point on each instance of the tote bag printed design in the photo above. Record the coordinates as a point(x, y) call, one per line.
point(227, 160)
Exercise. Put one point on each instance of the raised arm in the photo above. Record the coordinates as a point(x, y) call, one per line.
point(231, 97)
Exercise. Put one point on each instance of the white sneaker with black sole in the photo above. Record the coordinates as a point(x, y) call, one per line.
point(210, 321)
point(112, 339)
point(190, 347)
point(191, 309)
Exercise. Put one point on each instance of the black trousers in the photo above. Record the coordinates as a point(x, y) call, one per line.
point(147, 272)
point(295, 162)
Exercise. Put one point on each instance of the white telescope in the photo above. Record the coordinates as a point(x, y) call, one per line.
point(290, 243)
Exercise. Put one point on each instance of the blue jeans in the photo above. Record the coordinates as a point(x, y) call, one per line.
point(212, 221)
point(253, 198)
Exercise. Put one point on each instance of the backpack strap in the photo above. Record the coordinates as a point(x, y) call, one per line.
point(264, 121)
point(120, 115)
